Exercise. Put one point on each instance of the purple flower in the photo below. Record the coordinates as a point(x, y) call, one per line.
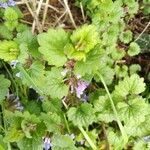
point(47, 144)
point(81, 86)
point(7, 3)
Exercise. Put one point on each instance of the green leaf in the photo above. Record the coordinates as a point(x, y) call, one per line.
point(140, 144)
point(5, 33)
point(126, 36)
point(135, 109)
point(13, 135)
point(8, 50)
point(134, 49)
point(62, 142)
point(82, 115)
point(92, 59)
point(53, 105)
point(52, 46)
point(30, 41)
point(31, 144)
point(138, 129)
point(23, 55)
point(121, 71)
point(130, 85)
point(55, 86)
point(11, 18)
point(102, 107)
point(52, 122)
point(117, 54)
point(3, 145)
point(4, 85)
point(134, 68)
point(115, 140)
point(85, 38)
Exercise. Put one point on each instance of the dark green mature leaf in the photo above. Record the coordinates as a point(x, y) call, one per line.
point(52, 45)
point(4, 85)
point(62, 142)
point(82, 115)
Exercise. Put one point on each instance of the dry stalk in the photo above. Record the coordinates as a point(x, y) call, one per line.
point(69, 12)
point(82, 11)
point(45, 13)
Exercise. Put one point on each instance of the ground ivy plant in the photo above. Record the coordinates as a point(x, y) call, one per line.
point(72, 90)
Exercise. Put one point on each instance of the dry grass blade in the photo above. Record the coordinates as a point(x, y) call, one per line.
point(69, 12)
point(36, 20)
point(45, 13)
point(82, 11)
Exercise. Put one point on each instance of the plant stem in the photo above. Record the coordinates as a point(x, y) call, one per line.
point(66, 122)
point(87, 138)
point(125, 137)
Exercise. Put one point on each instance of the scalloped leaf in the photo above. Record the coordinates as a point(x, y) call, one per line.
point(82, 115)
point(130, 85)
point(52, 46)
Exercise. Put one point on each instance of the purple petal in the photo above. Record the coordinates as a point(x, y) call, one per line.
point(11, 3)
point(81, 86)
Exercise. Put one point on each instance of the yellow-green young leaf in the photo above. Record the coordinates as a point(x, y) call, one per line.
point(82, 115)
point(62, 142)
point(134, 49)
point(4, 85)
point(13, 135)
point(8, 50)
point(130, 85)
point(85, 38)
point(52, 46)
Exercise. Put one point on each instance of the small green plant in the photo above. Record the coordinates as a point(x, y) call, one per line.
point(73, 90)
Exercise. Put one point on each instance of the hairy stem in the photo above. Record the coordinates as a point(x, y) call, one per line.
point(88, 138)
point(125, 137)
